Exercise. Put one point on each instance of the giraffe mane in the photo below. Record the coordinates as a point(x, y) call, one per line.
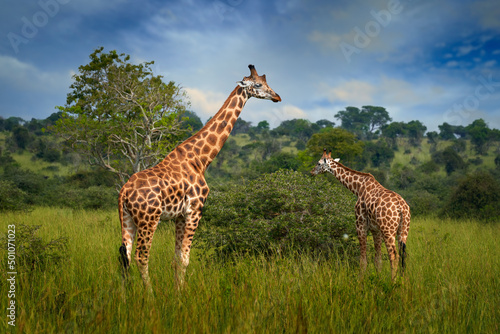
point(355, 171)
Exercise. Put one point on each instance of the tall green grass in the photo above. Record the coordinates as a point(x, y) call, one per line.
point(451, 285)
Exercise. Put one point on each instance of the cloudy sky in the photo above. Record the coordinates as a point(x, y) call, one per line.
point(433, 61)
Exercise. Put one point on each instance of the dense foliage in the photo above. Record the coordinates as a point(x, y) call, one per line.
point(435, 171)
point(277, 211)
point(120, 116)
point(477, 196)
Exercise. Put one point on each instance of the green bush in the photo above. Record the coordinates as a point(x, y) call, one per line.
point(11, 197)
point(94, 197)
point(31, 183)
point(477, 196)
point(33, 254)
point(281, 211)
point(421, 202)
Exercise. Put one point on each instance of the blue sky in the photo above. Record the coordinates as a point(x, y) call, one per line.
point(433, 61)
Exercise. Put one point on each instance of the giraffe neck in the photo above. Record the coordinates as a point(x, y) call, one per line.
point(353, 180)
point(204, 146)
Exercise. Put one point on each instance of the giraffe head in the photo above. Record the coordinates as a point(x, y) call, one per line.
point(324, 164)
point(256, 86)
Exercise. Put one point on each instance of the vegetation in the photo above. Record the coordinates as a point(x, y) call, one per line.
point(120, 116)
point(427, 171)
point(276, 213)
point(276, 249)
point(451, 285)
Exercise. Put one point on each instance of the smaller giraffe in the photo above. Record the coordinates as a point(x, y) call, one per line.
point(381, 211)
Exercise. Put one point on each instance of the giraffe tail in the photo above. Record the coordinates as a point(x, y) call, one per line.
point(402, 254)
point(124, 259)
point(123, 249)
point(404, 227)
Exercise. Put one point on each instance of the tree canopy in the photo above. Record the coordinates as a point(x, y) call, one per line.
point(120, 115)
point(365, 123)
point(342, 143)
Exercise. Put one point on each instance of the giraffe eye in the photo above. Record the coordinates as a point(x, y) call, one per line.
point(257, 85)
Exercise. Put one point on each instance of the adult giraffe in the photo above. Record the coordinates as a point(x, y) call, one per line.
point(378, 210)
point(176, 187)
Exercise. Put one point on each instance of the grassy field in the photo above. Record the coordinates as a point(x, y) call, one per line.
point(451, 285)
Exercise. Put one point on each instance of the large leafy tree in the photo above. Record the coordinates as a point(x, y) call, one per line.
point(342, 143)
point(301, 129)
point(121, 116)
point(480, 135)
point(365, 122)
point(416, 131)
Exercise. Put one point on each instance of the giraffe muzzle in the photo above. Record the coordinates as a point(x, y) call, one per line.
point(276, 99)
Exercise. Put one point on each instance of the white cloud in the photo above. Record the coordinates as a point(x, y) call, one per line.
point(275, 114)
point(205, 103)
point(26, 77)
point(353, 92)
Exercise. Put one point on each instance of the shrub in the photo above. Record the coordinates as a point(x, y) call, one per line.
point(94, 197)
point(477, 196)
point(421, 202)
point(35, 254)
point(278, 212)
point(31, 183)
point(11, 197)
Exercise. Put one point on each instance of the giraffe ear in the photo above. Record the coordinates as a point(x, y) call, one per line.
point(336, 160)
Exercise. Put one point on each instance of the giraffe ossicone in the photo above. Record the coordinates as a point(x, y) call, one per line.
point(176, 187)
point(378, 210)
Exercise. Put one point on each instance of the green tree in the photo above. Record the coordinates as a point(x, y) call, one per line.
point(324, 123)
point(263, 126)
point(451, 160)
point(479, 133)
point(365, 122)
point(415, 131)
point(446, 131)
point(278, 160)
point(121, 116)
point(21, 137)
point(191, 122)
point(378, 117)
point(301, 129)
point(342, 143)
point(11, 122)
point(241, 126)
point(393, 131)
point(353, 120)
point(379, 153)
point(432, 138)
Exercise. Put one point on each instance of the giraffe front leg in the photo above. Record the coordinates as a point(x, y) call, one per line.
point(362, 251)
point(377, 240)
point(361, 230)
point(180, 260)
point(185, 227)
